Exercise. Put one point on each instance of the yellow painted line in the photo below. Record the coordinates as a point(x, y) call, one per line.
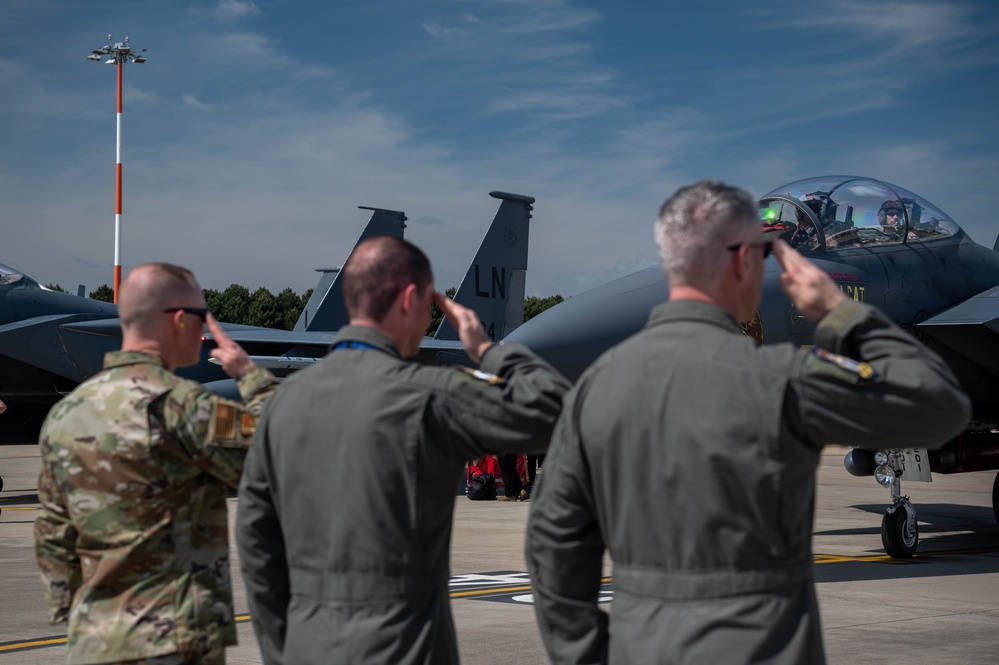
point(498, 590)
point(884, 558)
point(6, 508)
point(33, 644)
point(490, 591)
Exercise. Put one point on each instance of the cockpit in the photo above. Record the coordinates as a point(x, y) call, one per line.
point(9, 275)
point(835, 212)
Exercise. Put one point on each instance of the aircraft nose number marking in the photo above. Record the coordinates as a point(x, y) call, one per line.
point(855, 292)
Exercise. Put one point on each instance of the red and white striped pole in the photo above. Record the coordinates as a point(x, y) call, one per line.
point(117, 196)
point(119, 54)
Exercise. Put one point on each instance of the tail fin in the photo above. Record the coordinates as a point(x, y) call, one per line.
point(325, 310)
point(495, 282)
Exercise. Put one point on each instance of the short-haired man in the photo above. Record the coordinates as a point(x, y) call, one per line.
point(345, 508)
point(132, 537)
point(690, 454)
point(892, 219)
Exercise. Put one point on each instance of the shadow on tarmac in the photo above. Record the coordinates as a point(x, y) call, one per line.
point(21, 500)
point(953, 540)
point(932, 517)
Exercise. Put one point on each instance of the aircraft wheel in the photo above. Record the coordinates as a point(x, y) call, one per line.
point(1, 489)
point(898, 540)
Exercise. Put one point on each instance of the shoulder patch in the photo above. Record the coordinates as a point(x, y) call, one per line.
point(232, 425)
point(225, 420)
point(479, 375)
point(855, 367)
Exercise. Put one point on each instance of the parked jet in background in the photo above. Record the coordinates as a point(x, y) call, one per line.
point(884, 246)
point(35, 367)
point(50, 342)
point(325, 309)
point(496, 293)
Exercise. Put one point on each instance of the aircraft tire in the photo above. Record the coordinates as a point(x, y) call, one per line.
point(895, 536)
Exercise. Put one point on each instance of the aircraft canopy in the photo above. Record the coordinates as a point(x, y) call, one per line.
point(834, 212)
point(9, 275)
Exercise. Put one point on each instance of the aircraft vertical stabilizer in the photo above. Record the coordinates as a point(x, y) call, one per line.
point(494, 285)
point(325, 310)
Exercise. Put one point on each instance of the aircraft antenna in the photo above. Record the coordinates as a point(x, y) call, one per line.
point(117, 54)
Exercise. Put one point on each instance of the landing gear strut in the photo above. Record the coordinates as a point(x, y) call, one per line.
point(899, 531)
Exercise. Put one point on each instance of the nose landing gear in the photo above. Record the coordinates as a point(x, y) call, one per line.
point(899, 531)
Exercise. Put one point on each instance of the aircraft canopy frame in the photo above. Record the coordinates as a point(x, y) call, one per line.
point(827, 213)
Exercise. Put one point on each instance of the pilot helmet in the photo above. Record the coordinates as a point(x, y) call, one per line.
point(890, 205)
point(815, 205)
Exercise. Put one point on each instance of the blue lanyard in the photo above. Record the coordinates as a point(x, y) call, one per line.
point(351, 344)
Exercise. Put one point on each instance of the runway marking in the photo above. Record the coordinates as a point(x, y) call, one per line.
point(884, 558)
point(482, 581)
point(37, 643)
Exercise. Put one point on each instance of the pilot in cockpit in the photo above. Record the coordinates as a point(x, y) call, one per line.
point(892, 219)
point(803, 231)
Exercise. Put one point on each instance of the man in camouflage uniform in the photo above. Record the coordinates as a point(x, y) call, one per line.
point(689, 453)
point(132, 539)
point(346, 504)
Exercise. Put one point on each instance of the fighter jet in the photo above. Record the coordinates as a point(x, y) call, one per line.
point(883, 245)
point(493, 286)
point(50, 342)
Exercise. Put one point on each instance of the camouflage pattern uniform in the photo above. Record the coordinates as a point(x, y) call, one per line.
point(132, 538)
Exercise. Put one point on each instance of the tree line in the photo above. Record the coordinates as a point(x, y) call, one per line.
point(236, 304)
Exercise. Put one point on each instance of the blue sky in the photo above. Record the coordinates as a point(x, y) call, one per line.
point(256, 128)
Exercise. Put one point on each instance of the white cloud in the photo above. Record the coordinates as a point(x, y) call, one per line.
point(230, 11)
point(438, 30)
point(193, 102)
point(235, 10)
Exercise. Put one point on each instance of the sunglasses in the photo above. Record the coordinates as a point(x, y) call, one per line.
point(200, 312)
point(767, 246)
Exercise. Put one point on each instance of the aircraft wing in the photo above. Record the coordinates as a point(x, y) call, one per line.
point(970, 328)
point(49, 343)
point(286, 351)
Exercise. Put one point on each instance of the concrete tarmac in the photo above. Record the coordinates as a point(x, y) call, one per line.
point(940, 607)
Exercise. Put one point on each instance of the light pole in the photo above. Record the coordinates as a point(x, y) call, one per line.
point(118, 54)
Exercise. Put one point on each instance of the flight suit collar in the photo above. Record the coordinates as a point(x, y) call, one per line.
point(692, 310)
point(121, 358)
point(367, 335)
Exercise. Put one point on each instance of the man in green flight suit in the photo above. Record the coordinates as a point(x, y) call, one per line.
point(346, 504)
point(132, 537)
point(690, 453)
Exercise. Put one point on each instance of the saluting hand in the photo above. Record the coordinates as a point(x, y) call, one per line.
point(811, 290)
point(470, 331)
point(234, 359)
